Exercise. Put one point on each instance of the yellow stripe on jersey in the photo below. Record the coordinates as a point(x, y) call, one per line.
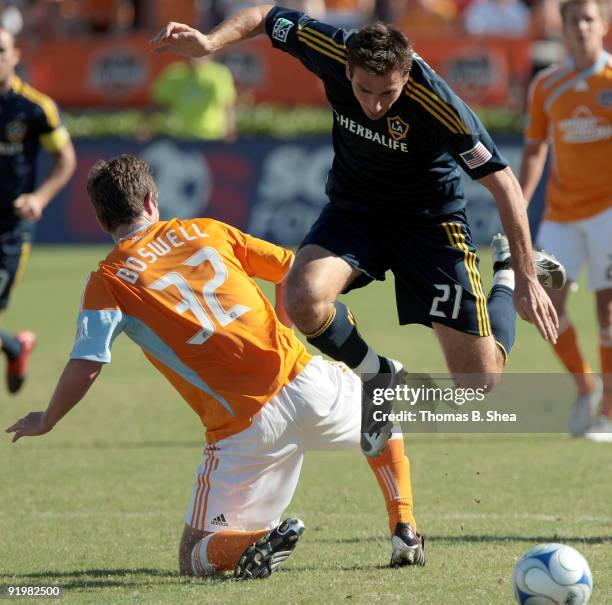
point(457, 240)
point(323, 37)
point(55, 140)
point(47, 105)
point(321, 47)
point(443, 107)
point(439, 111)
point(424, 103)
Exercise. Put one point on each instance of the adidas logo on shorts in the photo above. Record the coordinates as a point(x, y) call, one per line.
point(220, 520)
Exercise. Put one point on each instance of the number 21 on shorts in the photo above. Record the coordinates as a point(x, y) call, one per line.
point(445, 297)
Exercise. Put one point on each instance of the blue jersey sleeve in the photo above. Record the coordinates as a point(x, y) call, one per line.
point(453, 126)
point(320, 47)
point(474, 149)
point(96, 332)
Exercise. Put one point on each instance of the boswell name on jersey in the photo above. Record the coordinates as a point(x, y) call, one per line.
point(153, 250)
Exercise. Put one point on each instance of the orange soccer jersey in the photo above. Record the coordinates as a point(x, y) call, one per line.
point(574, 111)
point(183, 291)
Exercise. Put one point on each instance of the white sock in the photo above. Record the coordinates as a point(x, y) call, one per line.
point(370, 364)
point(504, 277)
point(199, 558)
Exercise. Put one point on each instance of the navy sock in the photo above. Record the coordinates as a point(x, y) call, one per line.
point(502, 316)
point(339, 338)
point(10, 345)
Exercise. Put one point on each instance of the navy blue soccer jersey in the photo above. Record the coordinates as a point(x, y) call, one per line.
point(28, 119)
point(408, 161)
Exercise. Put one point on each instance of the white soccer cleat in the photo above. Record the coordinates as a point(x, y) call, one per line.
point(585, 410)
point(549, 271)
point(376, 434)
point(408, 547)
point(601, 431)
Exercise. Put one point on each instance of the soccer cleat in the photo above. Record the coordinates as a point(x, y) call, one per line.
point(262, 558)
point(601, 431)
point(585, 409)
point(408, 547)
point(550, 272)
point(17, 369)
point(375, 434)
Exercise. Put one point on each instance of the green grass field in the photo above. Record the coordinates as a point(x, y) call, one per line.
point(97, 505)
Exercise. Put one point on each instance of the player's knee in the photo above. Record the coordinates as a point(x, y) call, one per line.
point(186, 546)
point(306, 306)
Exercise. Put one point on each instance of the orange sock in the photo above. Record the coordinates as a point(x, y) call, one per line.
point(392, 470)
point(605, 355)
point(568, 352)
point(220, 551)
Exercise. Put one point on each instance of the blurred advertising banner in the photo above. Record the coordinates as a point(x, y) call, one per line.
point(482, 71)
point(271, 188)
point(118, 72)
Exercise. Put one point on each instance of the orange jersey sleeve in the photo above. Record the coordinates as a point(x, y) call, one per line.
point(183, 291)
point(537, 120)
point(573, 111)
point(260, 258)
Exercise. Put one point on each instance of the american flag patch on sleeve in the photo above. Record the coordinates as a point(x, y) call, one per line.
point(477, 156)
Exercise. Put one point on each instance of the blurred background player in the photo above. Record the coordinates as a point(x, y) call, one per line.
point(396, 202)
point(570, 109)
point(201, 97)
point(28, 119)
point(183, 291)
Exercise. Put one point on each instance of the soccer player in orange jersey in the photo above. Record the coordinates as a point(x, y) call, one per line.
point(184, 292)
point(570, 110)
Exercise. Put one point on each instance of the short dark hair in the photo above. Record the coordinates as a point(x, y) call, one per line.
point(117, 189)
point(380, 48)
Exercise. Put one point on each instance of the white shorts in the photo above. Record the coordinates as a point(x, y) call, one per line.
point(578, 242)
point(248, 479)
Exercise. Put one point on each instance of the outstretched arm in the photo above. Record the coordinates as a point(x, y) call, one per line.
point(530, 299)
point(77, 377)
point(189, 42)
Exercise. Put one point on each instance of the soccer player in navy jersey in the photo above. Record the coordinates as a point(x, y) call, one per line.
point(28, 119)
point(400, 135)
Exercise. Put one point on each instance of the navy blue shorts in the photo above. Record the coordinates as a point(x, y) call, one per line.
point(14, 250)
point(433, 260)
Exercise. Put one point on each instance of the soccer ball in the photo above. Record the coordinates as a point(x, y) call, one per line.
point(552, 574)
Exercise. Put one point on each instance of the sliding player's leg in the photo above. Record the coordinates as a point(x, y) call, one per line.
point(241, 489)
point(328, 399)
